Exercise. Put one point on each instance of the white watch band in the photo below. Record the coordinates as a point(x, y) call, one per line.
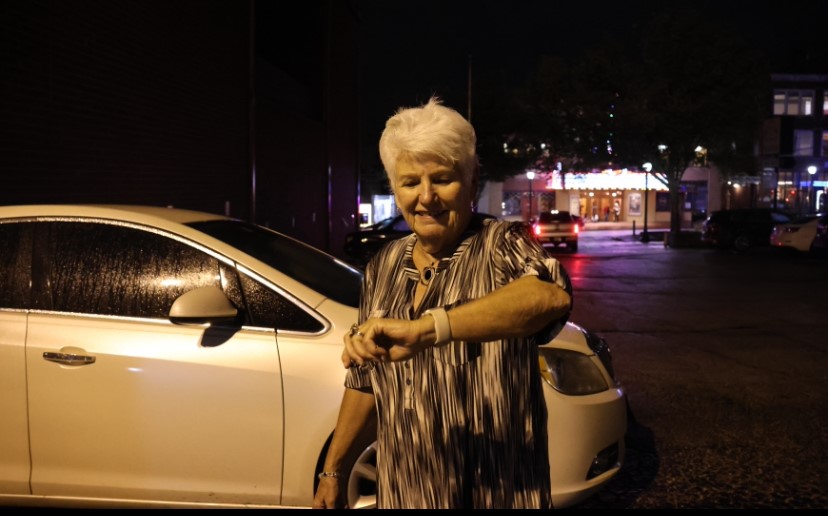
point(442, 328)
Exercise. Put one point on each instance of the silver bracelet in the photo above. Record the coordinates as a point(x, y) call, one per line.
point(328, 474)
point(442, 328)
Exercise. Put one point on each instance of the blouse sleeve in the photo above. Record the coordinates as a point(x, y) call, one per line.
point(519, 255)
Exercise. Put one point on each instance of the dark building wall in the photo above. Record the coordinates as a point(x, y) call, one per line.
point(129, 101)
point(151, 102)
point(307, 120)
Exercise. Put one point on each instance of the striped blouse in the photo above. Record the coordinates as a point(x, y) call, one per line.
point(461, 425)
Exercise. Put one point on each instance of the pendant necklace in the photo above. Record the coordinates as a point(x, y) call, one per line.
point(428, 273)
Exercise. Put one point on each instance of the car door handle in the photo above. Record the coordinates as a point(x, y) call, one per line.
point(68, 358)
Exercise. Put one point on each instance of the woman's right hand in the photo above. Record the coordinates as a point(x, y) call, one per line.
point(378, 340)
point(326, 493)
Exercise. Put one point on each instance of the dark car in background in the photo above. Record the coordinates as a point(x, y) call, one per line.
point(743, 228)
point(557, 228)
point(361, 245)
point(821, 238)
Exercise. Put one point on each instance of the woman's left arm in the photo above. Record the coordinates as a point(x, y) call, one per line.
point(519, 308)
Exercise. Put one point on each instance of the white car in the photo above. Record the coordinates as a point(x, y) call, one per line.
point(158, 357)
point(798, 234)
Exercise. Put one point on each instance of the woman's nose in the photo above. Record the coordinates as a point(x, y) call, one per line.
point(426, 191)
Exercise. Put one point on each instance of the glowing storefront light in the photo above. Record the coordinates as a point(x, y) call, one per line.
point(604, 180)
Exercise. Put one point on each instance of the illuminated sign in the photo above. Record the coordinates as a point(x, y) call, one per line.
point(605, 180)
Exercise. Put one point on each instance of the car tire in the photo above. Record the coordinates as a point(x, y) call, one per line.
point(361, 481)
point(573, 247)
point(741, 243)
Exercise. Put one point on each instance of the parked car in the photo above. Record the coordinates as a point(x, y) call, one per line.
point(821, 237)
point(158, 357)
point(361, 245)
point(741, 229)
point(557, 228)
point(798, 234)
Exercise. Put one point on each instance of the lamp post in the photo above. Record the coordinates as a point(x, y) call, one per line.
point(645, 235)
point(530, 176)
point(812, 170)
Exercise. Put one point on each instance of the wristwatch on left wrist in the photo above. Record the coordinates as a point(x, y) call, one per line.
point(442, 328)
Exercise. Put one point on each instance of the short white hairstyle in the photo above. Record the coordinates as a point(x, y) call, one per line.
point(430, 132)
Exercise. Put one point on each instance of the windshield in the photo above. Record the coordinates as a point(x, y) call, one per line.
point(560, 216)
point(318, 270)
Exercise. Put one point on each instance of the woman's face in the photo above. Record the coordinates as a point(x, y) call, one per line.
point(434, 201)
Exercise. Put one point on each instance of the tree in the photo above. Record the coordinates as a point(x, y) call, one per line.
point(676, 92)
point(696, 97)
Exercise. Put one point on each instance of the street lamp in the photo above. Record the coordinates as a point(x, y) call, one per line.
point(530, 176)
point(645, 235)
point(811, 170)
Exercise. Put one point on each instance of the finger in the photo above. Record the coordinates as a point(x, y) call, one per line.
point(350, 355)
point(358, 349)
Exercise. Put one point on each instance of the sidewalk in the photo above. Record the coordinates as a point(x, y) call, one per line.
point(657, 232)
point(599, 225)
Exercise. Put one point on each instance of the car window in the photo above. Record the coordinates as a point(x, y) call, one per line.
point(804, 220)
point(718, 217)
point(96, 268)
point(268, 309)
point(307, 265)
point(735, 217)
point(779, 217)
point(561, 216)
point(15, 264)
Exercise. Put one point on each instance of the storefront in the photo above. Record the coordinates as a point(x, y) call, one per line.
point(605, 196)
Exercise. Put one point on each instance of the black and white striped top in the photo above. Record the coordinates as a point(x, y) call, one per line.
point(461, 425)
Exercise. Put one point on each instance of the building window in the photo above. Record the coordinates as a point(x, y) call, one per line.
point(825, 143)
point(803, 143)
point(793, 102)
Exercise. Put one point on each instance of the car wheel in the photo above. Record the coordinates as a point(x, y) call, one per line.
point(741, 243)
point(361, 483)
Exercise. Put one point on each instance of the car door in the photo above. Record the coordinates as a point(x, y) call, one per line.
point(125, 404)
point(15, 260)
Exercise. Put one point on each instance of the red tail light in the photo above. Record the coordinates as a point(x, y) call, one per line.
point(576, 229)
point(536, 229)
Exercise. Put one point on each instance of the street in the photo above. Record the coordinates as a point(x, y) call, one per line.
point(723, 358)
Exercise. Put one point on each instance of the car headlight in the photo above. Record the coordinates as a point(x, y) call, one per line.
point(570, 372)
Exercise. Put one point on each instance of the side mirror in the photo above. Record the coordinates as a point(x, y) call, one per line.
point(202, 305)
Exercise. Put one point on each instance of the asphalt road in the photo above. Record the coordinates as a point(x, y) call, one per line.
point(723, 358)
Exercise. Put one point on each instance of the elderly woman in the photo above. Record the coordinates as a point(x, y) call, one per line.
point(445, 351)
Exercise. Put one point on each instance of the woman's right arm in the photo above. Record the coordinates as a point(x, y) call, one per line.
point(355, 412)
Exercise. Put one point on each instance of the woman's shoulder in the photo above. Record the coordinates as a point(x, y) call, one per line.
point(504, 227)
point(393, 251)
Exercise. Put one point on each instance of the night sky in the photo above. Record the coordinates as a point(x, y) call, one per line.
point(410, 50)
